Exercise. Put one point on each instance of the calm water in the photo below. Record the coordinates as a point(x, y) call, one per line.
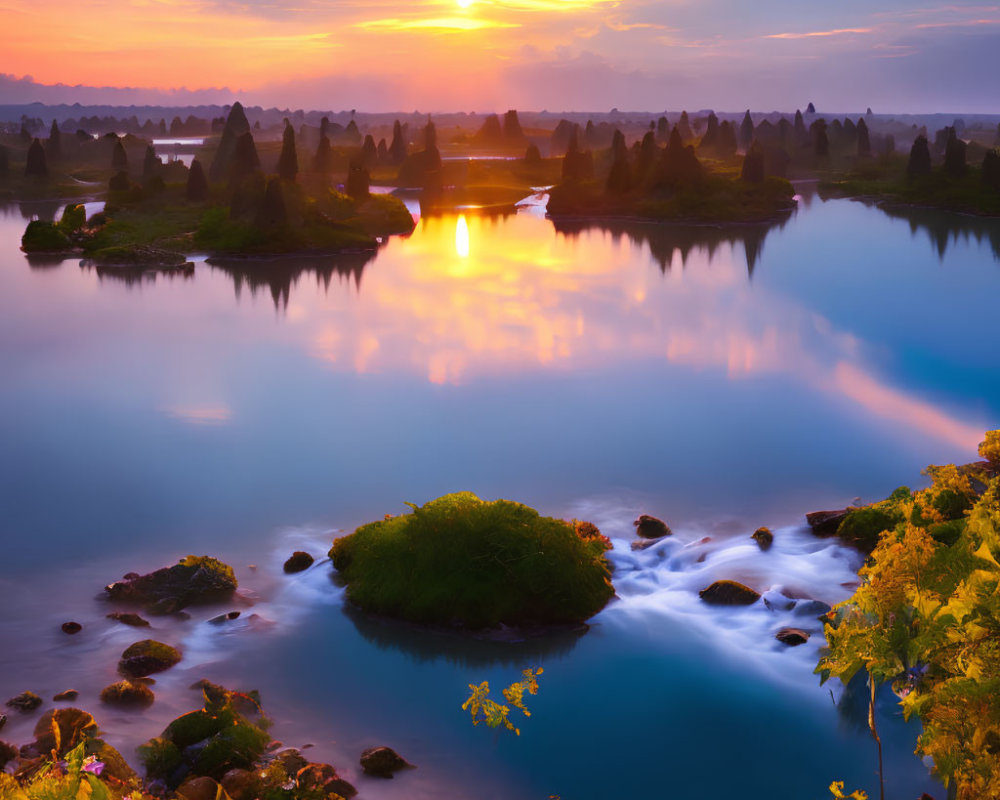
point(719, 378)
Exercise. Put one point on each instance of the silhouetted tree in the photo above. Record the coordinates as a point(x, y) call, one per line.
point(245, 161)
point(920, 158)
point(684, 127)
point(746, 131)
point(820, 141)
point(620, 177)
point(490, 132)
point(273, 212)
point(991, 169)
point(235, 126)
point(710, 141)
point(119, 158)
point(323, 160)
point(941, 140)
point(576, 165)
point(196, 190)
point(176, 127)
point(954, 155)
point(512, 127)
point(662, 130)
point(753, 164)
point(397, 150)
point(352, 134)
point(649, 155)
point(799, 126)
point(35, 165)
point(382, 151)
point(288, 161)
point(997, 140)
point(679, 166)
point(864, 140)
point(726, 145)
point(432, 156)
point(4, 163)
point(369, 152)
point(868, 113)
point(151, 165)
point(162, 128)
point(358, 181)
point(53, 147)
point(532, 156)
point(590, 134)
point(810, 109)
point(119, 182)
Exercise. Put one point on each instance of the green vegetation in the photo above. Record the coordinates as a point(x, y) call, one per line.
point(926, 618)
point(482, 708)
point(460, 560)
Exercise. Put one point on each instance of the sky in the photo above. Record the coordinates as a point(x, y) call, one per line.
point(490, 55)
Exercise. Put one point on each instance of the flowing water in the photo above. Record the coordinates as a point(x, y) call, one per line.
point(721, 378)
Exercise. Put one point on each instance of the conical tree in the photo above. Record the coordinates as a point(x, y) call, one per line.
point(727, 144)
point(490, 132)
point(662, 130)
point(684, 127)
point(799, 126)
point(864, 140)
point(119, 158)
point(323, 160)
point(397, 150)
point(358, 181)
point(151, 165)
point(810, 109)
point(196, 190)
point(288, 161)
point(35, 165)
point(620, 177)
point(512, 127)
point(820, 140)
point(920, 158)
point(432, 156)
point(53, 147)
point(753, 164)
point(711, 138)
point(369, 152)
point(954, 155)
point(679, 166)
point(746, 131)
point(235, 126)
point(4, 163)
point(273, 212)
point(649, 154)
point(532, 156)
point(382, 152)
point(245, 161)
point(991, 169)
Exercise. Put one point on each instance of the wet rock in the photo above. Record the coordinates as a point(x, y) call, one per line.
point(71, 627)
point(650, 527)
point(201, 788)
point(127, 694)
point(69, 694)
point(146, 657)
point(241, 784)
point(812, 608)
point(776, 601)
point(292, 760)
point(339, 786)
point(3, 720)
point(126, 618)
point(729, 593)
point(196, 579)
point(792, 636)
point(224, 617)
point(314, 776)
point(382, 761)
point(7, 754)
point(26, 701)
point(825, 523)
point(763, 537)
point(62, 729)
point(298, 561)
point(642, 544)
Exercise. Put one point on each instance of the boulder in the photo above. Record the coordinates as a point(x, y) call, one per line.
point(241, 784)
point(825, 523)
point(812, 608)
point(292, 760)
point(298, 561)
point(7, 753)
point(68, 695)
point(650, 527)
point(763, 537)
point(729, 593)
point(127, 694)
point(146, 657)
point(128, 619)
point(792, 636)
point(3, 720)
point(200, 788)
point(71, 627)
point(26, 701)
point(196, 579)
point(62, 729)
point(382, 761)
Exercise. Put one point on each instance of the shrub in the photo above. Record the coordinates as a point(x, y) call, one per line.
point(989, 448)
point(460, 560)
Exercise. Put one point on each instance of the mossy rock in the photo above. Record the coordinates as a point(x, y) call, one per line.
point(127, 694)
point(196, 726)
point(146, 657)
point(298, 561)
point(729, 593)
point(763, 537)
point(161, 757)
point(26, 701)
point(863, 526)
point(196, 579)
point(463, 562)
point(44, 237)
point(74, 217)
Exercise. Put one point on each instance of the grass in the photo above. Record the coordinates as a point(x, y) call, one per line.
point(461, 561)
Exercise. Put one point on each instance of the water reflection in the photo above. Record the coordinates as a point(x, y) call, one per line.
point(137, 276)
point(947, 229)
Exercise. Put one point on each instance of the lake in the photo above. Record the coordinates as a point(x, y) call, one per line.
point(720, 378)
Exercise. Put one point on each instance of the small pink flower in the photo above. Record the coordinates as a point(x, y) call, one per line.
point(92, 765)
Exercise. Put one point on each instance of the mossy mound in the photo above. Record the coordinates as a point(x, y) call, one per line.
point(126, 694)
point(146, 657)
point(196, 579)
point(460, 561)
point(44, 237)
point(862, 526)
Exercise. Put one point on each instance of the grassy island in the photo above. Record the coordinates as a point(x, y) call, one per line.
point(926, 617)
point(460, 561)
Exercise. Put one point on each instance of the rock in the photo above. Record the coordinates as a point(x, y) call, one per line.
point(825, 523)
point(7, 753)
point(71, 627)
point(26, 701)
point(241, 784)
point(194, 580)
point(292, 760)
point(129, 619)
point(763, 537)
point(146, 657)
point(201, 788)
point(44, 237)
point(382, 761)
point(73, 726)
point(69, 694)
point(126, 694)
point(224, 617)
point(339, 786)
point(3, 720)
point(776, 601)
point(650, 527)
point(812, 608)
point(729, 593)
point(792, 636)
point(298, 561)
point(314, 776)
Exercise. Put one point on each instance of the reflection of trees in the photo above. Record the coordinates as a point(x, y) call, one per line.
point(945, 227)
point(667, 240)
point(279, 275)
point(427, 644)
point(138, 275)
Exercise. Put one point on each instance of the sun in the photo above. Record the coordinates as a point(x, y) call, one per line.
point(464, 3)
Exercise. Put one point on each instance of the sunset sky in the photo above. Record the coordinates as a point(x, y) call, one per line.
point(490, 54)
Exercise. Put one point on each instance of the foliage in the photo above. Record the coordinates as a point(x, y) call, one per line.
point(989, 448)
point(460, 560)
point(482, 708)
point(77, 777)
point(926, 619)
point(837, 790)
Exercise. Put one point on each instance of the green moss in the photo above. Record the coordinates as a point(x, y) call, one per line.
point(385, 214)
point(74, 217)
point(44, 237)
point(237, 747)
point(160, 757)
point(460, 560)
point(947, 533)
point(862, 526)
point(951, 504)
point(220, 569)
point(195, 726)
point(150, 648)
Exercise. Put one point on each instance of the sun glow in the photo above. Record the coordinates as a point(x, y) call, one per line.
point(462, 237)
point(464, 3)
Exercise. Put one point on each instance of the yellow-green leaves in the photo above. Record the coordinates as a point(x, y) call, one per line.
point(482, 708)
